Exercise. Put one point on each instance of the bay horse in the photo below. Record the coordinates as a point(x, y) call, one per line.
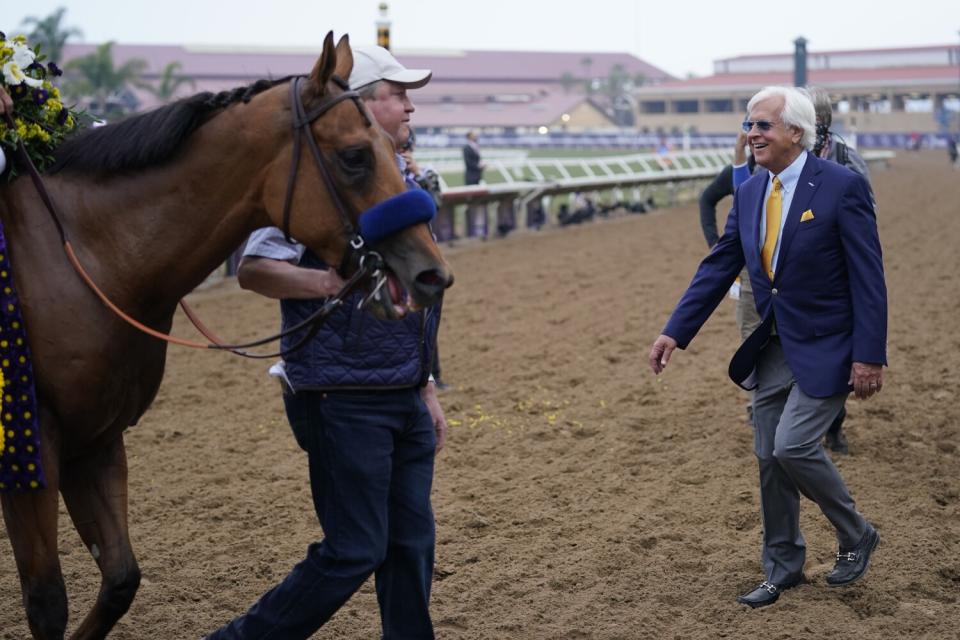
point(152, 205)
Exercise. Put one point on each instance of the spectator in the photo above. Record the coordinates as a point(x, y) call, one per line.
point(829, 145)
point(473, 167)
point(473, 174)
point(427, 179)
point(721, 187)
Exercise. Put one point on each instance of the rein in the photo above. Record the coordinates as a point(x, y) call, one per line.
point(369, 263)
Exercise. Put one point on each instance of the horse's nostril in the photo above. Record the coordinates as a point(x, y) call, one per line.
point(433, 278)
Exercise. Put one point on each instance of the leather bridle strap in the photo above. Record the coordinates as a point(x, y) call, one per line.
point(301, 128)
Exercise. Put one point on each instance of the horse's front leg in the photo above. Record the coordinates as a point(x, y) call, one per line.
point(31, 519)
point(94, 488)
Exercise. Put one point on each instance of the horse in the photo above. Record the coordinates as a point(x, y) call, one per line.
point(153, 204)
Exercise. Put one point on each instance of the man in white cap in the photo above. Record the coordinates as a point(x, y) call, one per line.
point(361, 403)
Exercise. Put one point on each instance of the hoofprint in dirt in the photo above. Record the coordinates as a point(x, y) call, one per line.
point(579, 496)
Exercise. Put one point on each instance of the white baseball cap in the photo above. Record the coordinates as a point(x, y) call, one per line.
point(371, 64)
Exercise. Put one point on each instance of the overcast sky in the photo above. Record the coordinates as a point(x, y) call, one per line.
point(678, 36)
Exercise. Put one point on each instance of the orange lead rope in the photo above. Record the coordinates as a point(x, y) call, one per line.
point(132, 321)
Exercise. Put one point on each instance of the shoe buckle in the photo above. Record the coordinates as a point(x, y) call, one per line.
point(769, 587)
point(850, 556)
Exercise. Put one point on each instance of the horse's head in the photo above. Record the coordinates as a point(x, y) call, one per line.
point(319, 193)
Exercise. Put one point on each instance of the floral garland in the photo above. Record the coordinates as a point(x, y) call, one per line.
point(41, 121)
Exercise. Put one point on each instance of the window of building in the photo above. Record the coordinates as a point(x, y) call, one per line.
point(686, 106)
point(653, 106)
point(719, 105)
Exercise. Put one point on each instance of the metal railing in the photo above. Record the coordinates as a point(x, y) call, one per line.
point(513, 183)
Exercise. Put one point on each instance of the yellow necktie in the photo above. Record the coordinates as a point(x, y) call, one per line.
point(774, 204)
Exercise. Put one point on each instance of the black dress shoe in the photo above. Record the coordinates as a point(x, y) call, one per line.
point(836, 440)
point(852, 563)
point(766, 594)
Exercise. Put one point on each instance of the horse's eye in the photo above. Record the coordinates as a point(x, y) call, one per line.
point(355, 159)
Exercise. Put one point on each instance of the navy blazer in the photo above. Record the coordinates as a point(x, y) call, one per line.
point(828, 296)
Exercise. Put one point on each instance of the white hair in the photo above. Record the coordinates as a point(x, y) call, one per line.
point(797, 111)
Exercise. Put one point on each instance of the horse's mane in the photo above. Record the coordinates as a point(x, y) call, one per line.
point(149, 138)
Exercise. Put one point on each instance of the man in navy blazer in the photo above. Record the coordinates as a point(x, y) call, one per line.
point(806, 230)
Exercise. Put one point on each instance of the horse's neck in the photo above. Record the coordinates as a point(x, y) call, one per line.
point(163, 230)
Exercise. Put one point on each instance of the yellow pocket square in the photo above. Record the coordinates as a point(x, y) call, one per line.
point(807, 215)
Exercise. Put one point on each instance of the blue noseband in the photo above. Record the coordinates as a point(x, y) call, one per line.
point(396, 214)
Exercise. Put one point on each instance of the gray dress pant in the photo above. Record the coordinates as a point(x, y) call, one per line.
point(788, 428)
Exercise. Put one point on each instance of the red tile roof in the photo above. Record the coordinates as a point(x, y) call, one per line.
point(848, 78)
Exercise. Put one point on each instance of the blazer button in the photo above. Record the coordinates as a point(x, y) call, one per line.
point(774, 291)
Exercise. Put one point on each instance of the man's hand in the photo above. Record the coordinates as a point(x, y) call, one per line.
point(412, 165)
point(329, 283)
point(6, 103)
point(429, 395)
point(660, 353)
point(866, 378)
point(739, 148)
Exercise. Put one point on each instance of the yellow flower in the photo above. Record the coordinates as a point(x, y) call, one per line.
point(2, 428)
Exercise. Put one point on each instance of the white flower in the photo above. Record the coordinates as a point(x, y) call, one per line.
point(23, 55)
point(13, 75)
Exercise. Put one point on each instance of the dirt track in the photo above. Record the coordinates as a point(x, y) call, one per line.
point(579, 496)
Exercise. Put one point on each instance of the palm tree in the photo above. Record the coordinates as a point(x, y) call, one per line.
point(168, 83)
point(617, 82)
point(586, 62)
point(96, 82)
point(48, 33)
point(568, 81)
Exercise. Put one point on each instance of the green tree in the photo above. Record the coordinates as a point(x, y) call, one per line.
point(49, 33)
point(617, 82)
point(166, 87)
point(587, 62)
point(98, 84)
point(568, 81)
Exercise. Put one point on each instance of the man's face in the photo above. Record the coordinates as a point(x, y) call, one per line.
point(391, 108)
point(776, 148)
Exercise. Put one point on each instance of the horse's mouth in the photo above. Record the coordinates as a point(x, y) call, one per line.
point(391, 300)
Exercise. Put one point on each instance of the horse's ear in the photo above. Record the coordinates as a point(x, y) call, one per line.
point(325, 66)
point(344, 58)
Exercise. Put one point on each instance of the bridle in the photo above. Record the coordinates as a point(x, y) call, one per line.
point(368, 263)
point(301, 129)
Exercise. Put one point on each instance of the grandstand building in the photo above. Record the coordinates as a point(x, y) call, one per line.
point(885, 93)
point(496, 91)
point(875, 91)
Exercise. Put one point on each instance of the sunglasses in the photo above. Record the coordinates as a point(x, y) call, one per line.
point(763, 125)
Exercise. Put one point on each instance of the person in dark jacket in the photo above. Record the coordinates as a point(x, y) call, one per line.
point(721, 187)
point(361, 403)
point(473, 167)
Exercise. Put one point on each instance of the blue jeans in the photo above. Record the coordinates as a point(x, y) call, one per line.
point(371, 470)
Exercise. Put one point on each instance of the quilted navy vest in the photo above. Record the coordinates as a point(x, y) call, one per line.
point(355, 349)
